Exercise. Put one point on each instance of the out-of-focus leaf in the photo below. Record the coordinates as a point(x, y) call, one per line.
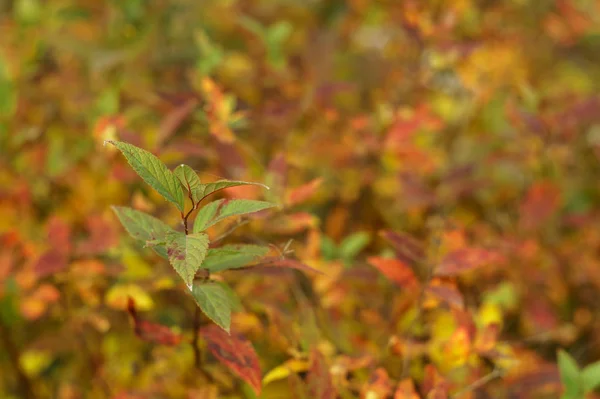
point(379, 385)
point(353, 244)
point(221, 209)
point(406, 390)
point(152, 332)
point(204, 190)
point(464, 259)
point(303, 193)
point(396, 270)
point(186, 253)
point(143, 227)
point(153, 171)
point(232, 256)
point(320, 385)
point(215, 302)
point(236, 353)
point(189, 178)
point(118, 297)
point(591, 376)
point(570, 375)
point(284, 370)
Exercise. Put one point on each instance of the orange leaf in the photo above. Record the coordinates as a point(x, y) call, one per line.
point(304, 192)
point(236, 353)
point(463, 260)
point(378, 386)
point(395, 270)
point(406, 390)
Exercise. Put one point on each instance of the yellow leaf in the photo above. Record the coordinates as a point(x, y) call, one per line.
point(33, 362)
point(117, 296)
point(284, 370)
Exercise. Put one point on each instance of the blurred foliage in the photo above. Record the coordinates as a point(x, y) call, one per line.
point(437, 163)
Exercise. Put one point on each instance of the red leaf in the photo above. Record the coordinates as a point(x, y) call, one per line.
point(464, 259)
point(318, 380)
point(152, 332)
point(304, 192)
point(395, 270)
point(52, 261)
point(59, 235)
point(542, 200)
point(103, 236)
point(408, 249)
point(236, 353)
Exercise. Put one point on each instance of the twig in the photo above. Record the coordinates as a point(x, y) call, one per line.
point(479, 383)
point(231, 230)
point(25, 386)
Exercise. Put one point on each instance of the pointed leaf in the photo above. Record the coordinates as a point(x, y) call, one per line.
point(236, 353)
point(186, 253)
point(143, 227)
point(207, 189)
point(353, 244)
point(216, 211)
point(395, 270)
point(232, 256)
point(215, 302)
point(569, 374)
point(190, 180)
point(591, 377)
point(153, 171)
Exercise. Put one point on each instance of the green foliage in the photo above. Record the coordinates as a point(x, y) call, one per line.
point(144, 227)
point(153, 171)
point(570, 376)
point(219, 210)
point(232, 256)
point(190, 180)
point(186, 252)
point(215, 302)
point(348, 249)
point(577, 382)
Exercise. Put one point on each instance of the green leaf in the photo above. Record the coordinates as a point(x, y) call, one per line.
point(279, 32)
point(353, 244)
point(153, 171)
point(190, 180)
point(569, 374)
point(328, 248)
point(591, 377)
point(207, 189)
point(218, 210)
point(143, 227)
point(232, 256)
point(215, 302)
point(186, 253)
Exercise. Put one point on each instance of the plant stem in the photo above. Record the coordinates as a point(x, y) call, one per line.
point(196, 330)
point(25, 386)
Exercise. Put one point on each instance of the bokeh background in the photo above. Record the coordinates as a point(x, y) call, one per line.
point(438, 161)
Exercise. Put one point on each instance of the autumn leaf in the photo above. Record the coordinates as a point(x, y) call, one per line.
point(406, 390)
point(303, 193)
point(319, 381)
point(236, 353)
point(151, 332)
point(395, 270)
point(464, 259)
